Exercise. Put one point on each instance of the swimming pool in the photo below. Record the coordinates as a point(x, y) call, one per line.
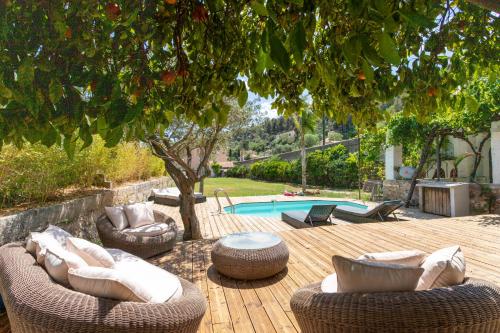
point(275, 208)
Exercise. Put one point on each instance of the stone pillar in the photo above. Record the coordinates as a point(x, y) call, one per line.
point(495, 151)
point(393, 159)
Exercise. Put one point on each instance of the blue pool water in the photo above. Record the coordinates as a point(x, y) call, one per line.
point(275, 208)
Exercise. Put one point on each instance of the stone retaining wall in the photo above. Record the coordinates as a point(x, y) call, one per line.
point(482, 196)
point(398, 189)
point(77, 216)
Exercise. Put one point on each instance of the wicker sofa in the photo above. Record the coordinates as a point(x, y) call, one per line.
point(473, 306)
point(36, 304)
point(141, 246)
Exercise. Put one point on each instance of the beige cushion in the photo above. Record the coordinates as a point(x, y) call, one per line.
point(58, 261)
point(149, 230)
point(41, 242)
point(57, 233)
point(363, 276)
point(93, 254)
point(329, 284)
point(140, 214)
point(130, 264)
point(123, 285)
point(117, 217)
point(409, 258)
point(443, 268)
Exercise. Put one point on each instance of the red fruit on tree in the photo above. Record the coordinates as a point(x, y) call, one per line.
point(68, 33)
point(93, 85)
point(431, 92)
point(113, 11)
point(168, 77)
point(200, 13)
point(361, 76)
point(171, 2)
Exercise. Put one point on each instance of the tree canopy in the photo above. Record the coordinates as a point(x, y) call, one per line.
point(124, 69)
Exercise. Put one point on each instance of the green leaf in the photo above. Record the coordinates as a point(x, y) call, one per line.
point(297, 2)
point(416, 19)
point(298, 41)
point(259, 8)
point(262, 62)
point(372, 56)
point(352, 50)
point(368, 70)
point(5, 92)
point(50, 138)
point(55, 91)
point(86, 137)
point(242, 97)
point(387, 49)
point(471, 104)
point(26, 73)
point(113, 137)
point(278, 53)
point(69, 146)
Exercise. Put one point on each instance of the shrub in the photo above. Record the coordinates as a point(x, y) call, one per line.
point(217, 169)
point(333, 167)
point(335, 136)
point(311, 140)
point(35, 172)
point(240, 171)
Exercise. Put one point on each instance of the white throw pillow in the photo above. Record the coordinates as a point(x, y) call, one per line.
point(409, 258)
point(120, 285)
point(169, 284)
point(443, 268)
point(363, 277)
point(148, 230)
point(329, 284)
point(57, 233)
point(42, 241)
point(58, 261)
point(140, 214)
point(117, 217)
point(93, 254)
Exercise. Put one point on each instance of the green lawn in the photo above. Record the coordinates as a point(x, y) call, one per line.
point(238, 187)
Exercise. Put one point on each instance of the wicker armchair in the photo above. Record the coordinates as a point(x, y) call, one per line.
point(141, 246)
point(36, 304)
point(473, 306)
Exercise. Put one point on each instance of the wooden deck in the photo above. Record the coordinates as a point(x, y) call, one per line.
point(263, 306)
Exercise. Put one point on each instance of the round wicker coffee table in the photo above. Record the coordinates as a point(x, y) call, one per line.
point(250, 255)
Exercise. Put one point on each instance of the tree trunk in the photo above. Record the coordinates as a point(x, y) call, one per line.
point(478, 156)
point(423, 158)
point(303, 160)
point(202, 185)
point(438, 157)
point(190, 221)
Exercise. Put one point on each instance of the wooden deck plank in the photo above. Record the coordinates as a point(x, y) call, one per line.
point(263, 306)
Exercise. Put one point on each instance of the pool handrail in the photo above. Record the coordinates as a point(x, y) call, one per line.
point(216, 195)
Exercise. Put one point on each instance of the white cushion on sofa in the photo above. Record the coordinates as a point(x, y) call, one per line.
point(58, 261)
point(139, 214)
point(41, 242)
point(409, 258)
point(132, 279)
point(128, 263)
point(117, 217)
point(443, 268)
point(329, 284)
point(364, 277)
point(60, 235)
point(149, 230)
point(93, 254)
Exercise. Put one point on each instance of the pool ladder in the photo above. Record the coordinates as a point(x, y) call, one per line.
point(216, 194)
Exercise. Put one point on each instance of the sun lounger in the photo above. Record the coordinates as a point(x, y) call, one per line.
point(377, 213)
point(317, 214)
point(170, 196)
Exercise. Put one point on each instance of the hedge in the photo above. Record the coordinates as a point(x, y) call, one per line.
point(333, 167)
